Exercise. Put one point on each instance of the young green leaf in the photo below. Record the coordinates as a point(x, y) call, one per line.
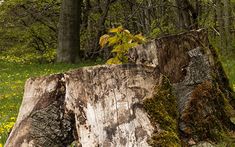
point(104, 40)
point(116, 30)
point(139, 38)
point(121, 40)
point(113, 40)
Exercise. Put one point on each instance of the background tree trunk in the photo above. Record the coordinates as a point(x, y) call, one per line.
point(69, 32)
point(220, 20)
point(227, 26)
point(174, 94)
point(187, 14)
point(104, 9)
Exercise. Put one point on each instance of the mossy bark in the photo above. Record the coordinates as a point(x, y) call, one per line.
point(162, 108)
point(206, 114)
point(204, 97)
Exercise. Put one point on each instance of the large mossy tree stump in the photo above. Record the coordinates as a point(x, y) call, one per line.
point(173, 92)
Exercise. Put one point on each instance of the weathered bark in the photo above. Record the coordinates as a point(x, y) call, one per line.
point(69, 32)
point(42, 120)
point(175, 93)
point(104, 101)
point(107, 104)
point(205, 101)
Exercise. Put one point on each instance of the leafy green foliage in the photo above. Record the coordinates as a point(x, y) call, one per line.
point(28, 30)
point(27, 56)
point(121, 40)
point(161, 27)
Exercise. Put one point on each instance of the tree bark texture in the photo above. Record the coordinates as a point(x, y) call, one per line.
point(173, 93)
point(69, 32)
point(198, 79)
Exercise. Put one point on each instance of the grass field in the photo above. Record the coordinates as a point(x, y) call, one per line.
point(13, 77)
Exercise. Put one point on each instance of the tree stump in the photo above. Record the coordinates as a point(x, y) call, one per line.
point(173, 92)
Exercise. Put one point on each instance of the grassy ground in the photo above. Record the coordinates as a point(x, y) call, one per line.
point(13, 77)
point(229, 67)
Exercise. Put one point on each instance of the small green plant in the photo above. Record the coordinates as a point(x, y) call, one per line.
point(121, 40)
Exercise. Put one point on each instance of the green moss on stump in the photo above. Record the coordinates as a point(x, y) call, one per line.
point(207, 113)
point(162, 108)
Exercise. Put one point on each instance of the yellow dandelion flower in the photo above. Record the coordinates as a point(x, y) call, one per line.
point(8, 126)
point(1, 130)
point(13, 118)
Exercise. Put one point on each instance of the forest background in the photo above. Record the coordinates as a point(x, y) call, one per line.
point(29, 37)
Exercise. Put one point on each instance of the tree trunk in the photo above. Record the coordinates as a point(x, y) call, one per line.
point(220, 19)
point(227, 26)
point(174, 93)
point(69, 32)
point(85, 13)
point(187, 15)
point(101, 26)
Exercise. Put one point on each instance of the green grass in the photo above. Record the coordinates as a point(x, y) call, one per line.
point(12, 80)
point(229, 67)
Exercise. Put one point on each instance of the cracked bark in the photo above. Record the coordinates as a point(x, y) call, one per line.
point(42, 120)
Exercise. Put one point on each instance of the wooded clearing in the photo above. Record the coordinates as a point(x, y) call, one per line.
point(161, 73)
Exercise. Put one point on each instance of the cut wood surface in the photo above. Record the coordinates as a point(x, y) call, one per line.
point(173, 92)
